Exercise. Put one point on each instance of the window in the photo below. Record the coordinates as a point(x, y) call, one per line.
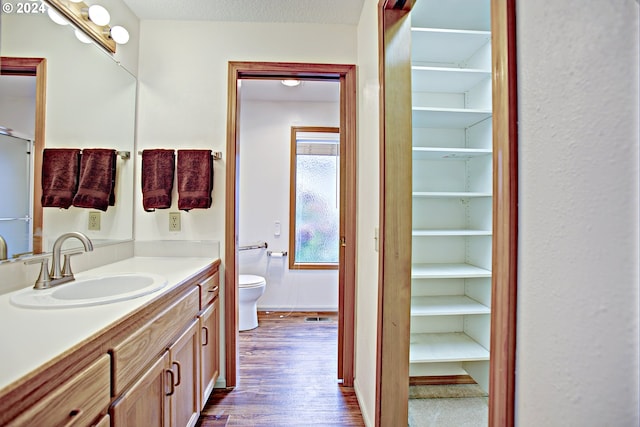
point(314, 216)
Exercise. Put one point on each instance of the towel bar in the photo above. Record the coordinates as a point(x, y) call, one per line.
point(217, 155)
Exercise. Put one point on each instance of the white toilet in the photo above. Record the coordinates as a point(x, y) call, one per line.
point(250, 289)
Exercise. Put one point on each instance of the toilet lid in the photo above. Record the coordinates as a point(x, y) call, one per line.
point(250, 281)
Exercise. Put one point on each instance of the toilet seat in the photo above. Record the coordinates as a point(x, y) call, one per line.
point(247, 281)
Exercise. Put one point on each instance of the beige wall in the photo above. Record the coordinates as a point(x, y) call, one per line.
point(368, 209)
point(577, 341)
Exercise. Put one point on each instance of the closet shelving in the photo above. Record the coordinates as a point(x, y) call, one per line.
point(452, 189)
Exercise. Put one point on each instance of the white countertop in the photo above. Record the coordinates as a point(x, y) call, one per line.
point(32, 337)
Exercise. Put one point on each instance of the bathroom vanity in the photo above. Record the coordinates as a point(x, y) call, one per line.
point(150, 361)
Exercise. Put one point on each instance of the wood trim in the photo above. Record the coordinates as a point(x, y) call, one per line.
point(394, 274)
point(442, 379)
point(348, 141)
point(256, 70)
point(33, 67)
point(399, 4)
point(293, 265)
point(231, 229)
point(505, 215)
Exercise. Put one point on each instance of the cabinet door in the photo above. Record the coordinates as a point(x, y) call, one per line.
point(210, 349)
point(79, 401)
point(146, 402)
point(185, 363)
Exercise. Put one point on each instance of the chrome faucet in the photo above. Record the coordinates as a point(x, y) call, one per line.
point(59, 274)
point(3, 249)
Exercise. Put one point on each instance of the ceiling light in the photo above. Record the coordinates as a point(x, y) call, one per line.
point(99, 15)
point(291, 82)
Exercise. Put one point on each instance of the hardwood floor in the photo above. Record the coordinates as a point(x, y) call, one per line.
point(287, 377)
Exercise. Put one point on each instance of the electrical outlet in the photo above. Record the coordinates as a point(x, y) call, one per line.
point(174, 221)
point(94, 221)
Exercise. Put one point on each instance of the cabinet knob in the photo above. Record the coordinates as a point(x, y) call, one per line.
point(74, 415)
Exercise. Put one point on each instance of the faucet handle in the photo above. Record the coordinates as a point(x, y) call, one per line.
point(44, 279)
point(66, 266)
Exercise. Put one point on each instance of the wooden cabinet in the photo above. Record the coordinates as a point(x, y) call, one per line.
point(452, 190)
point(141, 347)
point(172, 391)
point(154, 367)
point(185, 364)
point(79, 401)
point(210, 349)
point(147, 401)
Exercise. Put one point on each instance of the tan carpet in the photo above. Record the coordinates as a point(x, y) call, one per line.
point(461, 405)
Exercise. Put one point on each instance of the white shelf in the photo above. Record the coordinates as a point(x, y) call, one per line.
point(449, 80)
point(447, 271)
point(461, 14)
point(440, 153)
point(446, 46)
point(457, 118)
point(449, 305)
point(451, 232)
point(449, 347)
point(448, 194)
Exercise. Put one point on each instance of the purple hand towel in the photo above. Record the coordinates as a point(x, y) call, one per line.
point(195, 179)
point(97, 179)
point(59, 176)
point(157, 178)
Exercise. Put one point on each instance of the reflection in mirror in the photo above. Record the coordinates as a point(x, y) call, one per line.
point(90, 103)
point(15, 172)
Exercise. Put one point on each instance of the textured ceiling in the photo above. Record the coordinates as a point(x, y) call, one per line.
point(299, 11)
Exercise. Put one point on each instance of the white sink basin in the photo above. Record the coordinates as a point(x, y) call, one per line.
point(91, 291)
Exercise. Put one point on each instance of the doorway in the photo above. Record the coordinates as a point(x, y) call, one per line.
point(395, 228)
point(33, 67)
point(345, 75)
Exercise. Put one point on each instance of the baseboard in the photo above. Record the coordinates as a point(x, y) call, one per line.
point(441, 379)
point(364, 410)
point(297, 308)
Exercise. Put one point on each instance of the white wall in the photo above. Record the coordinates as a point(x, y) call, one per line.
point(265, 142)
point(577, 343)
point(183, 97)
point(368, 210)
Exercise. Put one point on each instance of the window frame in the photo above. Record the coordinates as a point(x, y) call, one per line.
point(293, 265)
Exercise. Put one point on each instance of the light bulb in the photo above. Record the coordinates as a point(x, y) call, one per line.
point(99, 15)
point(82, 37)
point(291, 82)
point(56, 17)
point(119, 34)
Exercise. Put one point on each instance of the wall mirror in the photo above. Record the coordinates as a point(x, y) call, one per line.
point(90, 103)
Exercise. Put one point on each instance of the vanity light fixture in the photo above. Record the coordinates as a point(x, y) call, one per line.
point(97, 14)
point(119, 34)
point(82, 36)
point(92, 20)
point(56, 17)
point(291, 82)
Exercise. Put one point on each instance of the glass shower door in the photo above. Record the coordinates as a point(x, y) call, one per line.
point(16, 190)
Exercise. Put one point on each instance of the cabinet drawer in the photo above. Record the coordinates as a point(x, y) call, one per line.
point(137, 351)
point(77, 402)
point(209, 289)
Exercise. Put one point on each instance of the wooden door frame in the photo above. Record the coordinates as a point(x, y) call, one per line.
point(33, 67)
point(394, 280)
point(346, 75)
